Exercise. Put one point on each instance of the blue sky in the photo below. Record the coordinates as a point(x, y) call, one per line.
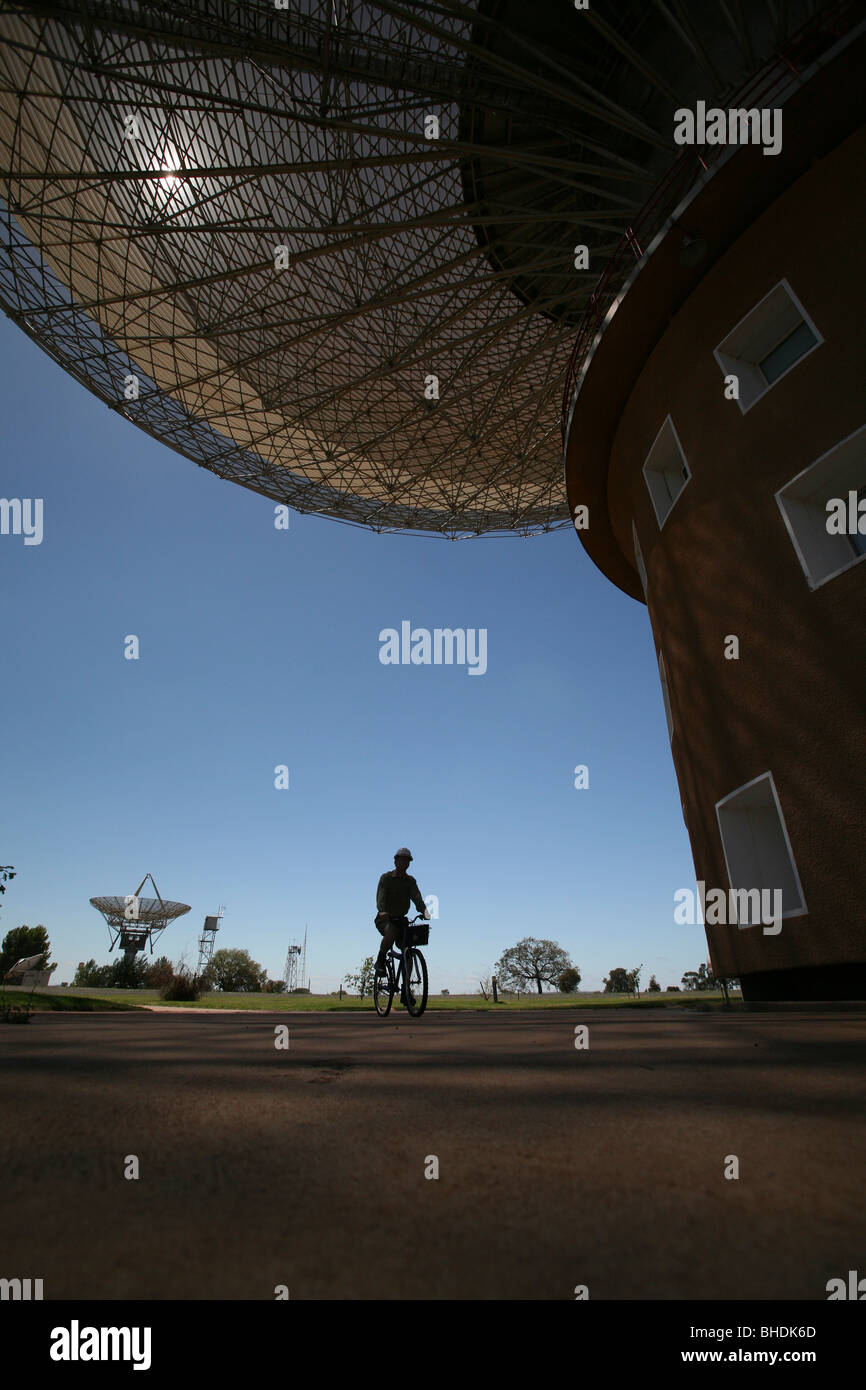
point(261, 647)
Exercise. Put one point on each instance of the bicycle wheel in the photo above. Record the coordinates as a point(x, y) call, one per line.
point(383, 992)
point(416, 975)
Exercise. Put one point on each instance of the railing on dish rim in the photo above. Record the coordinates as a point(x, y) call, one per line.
point(774, 75)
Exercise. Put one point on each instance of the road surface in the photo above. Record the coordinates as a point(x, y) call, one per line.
point(602, 1166)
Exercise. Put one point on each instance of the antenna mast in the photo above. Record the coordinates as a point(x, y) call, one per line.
point(291, 972)
point(207, 940)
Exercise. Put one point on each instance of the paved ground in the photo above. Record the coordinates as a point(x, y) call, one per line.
point(557, 1167)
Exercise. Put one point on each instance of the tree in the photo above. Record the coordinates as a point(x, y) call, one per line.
point(274, 987)
point(89, 973)
point(634, 979)
point(362, 980)
point(701, 979)
point(653, 987)
point(622, 981)
point(123, 973)
point(486, 986)
point(617, 981)
point(128, 972)
point(7, 871)
point(532, 961)
point(25, 941)
point(568, 980)
point(159, 973)
point(235, 972)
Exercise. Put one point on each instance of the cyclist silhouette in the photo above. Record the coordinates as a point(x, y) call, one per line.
point(397, 888)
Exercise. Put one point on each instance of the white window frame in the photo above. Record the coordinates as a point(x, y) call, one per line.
point(639, 561)
point(666, 695)
point(663, 506)
point(803, 909)
point(803, 515)
point(749, 370)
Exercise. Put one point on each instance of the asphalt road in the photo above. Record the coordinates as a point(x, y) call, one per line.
point(305, 1167)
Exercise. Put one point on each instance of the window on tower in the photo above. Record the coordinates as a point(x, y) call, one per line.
point(766, 344)
point(665, 471)
point(824, 509)
point(792, 347)
point(756, 845)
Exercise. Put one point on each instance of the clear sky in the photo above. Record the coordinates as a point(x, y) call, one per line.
point(261, 647)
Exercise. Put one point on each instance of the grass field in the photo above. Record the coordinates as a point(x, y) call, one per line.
point(85, 999)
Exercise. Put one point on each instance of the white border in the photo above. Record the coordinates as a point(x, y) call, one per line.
point(640, 563)
point(666, 694)
point(662, 521)
point(764, 776)
point(819, 340)
point(843, 569)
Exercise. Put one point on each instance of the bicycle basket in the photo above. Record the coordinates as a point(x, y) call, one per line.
point(419, 935)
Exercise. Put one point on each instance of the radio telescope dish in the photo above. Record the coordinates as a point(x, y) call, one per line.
point(135, 922)
point(334, 252)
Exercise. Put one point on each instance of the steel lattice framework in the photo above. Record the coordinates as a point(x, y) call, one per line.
point(156, 156)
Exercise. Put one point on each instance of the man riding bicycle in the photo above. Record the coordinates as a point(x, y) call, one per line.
point(397, 888)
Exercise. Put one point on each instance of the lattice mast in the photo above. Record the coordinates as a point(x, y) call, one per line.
point(207, 941)
point(291, 972)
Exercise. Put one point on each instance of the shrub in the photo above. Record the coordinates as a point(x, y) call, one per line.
point(17, 1015)
point(182, 986)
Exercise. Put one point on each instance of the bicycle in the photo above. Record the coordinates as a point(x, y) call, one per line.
point(410, 974)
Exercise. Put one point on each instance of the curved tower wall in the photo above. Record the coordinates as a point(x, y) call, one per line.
point(726, 501)
point(724, 564)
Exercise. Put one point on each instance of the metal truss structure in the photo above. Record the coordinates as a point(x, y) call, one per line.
point(207, 941)
point(290, 974)
point(136, 922)
point(330, 251)
point(295, 973)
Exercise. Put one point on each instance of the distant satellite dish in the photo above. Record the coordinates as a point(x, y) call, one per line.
point(22, 966)
point(136, 922)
